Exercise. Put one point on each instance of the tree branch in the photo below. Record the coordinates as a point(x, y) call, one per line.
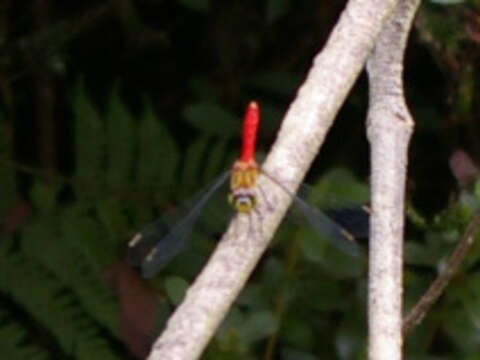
point(416, 315)
point(303, 130)
point(390, 126)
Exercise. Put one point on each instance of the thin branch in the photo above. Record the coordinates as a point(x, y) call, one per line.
point(45, 98)
point(6, 93)
point(390, 126)
point(47, 40)
point(303, 130)
point(417, 313)
point(62, 31)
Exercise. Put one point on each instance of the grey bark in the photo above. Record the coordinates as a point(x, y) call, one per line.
point(303, 130)
point(390, 126)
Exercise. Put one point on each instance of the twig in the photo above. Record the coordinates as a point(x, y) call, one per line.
point(46, 41)
point(418, 312)
point(45, 99)
point(64, 30)
point(291, 260)
point(303, 130)
point(390, 126)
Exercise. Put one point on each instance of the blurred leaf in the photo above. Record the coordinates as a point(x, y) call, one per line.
point(458, 325)
point(468, 292)
point(253, 296)
point(226, 333)
point(338, 188)
point(158, 156)
point(120, 142)
point(446, 28)
point(417, 254)
point(257, 326)
point(15, 344)
point(88, 237)
point(109, 211)
point(216, 160)
point(272, 116)
point(295, 354)
point(414, 216)
point(298, 333)
point(176, 288)
point(89, 141)
point(312, 247)
point(203, 89)
point(43, 241)
point(7, 184)
point(468, 204)
point(196, 5)
point(7, 174)
point(476, 188)
point(276, 9)
point(194, 164)
point(321, 293)
point(273, 274)
point(466, 91)
point(335, 262)
point(282, 83)
point(350, 338)
point(212, 119)
point(44, 196)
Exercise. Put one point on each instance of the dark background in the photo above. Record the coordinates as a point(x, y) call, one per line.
point(114, 112)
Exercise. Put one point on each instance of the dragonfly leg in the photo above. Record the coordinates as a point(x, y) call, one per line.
point(259, 216)
point(251, 229)
point(264, 196)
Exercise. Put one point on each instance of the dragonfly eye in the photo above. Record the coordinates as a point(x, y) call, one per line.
point(243, 203)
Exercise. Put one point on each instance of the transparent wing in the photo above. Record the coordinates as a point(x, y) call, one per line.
point(154, 246)
point(356, 220)
point(347, 210)
point(327, 229)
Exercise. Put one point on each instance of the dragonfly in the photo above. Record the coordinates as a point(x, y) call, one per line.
point(157, 243)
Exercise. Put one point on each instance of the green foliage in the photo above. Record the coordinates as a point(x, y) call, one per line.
point(44, 197)
point(276, 9)
point(175, 287)
point(456, 315)
point(282, 83)
point(127, 168)
point(89, 143)
point(201, 6)
point(47, 301)
point(120, 133)
point(158, 154)
point(126, 158)
point(13, 336)
point(54, 269)
point(212, 119)
point(7, 176)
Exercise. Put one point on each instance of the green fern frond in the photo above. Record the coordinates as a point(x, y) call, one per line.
point(158, 155)
point(51, 243)
point(194, 164)
point(7, 176)
point(216, 163)
point(16, 342)
point(47, 301)
point(121, 135)
point(89, 143)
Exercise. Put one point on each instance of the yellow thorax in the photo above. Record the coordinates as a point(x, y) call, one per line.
point(244, 175)
point(242, 186)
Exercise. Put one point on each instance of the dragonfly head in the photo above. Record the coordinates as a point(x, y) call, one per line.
point(242, 185)
point(242, 201)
